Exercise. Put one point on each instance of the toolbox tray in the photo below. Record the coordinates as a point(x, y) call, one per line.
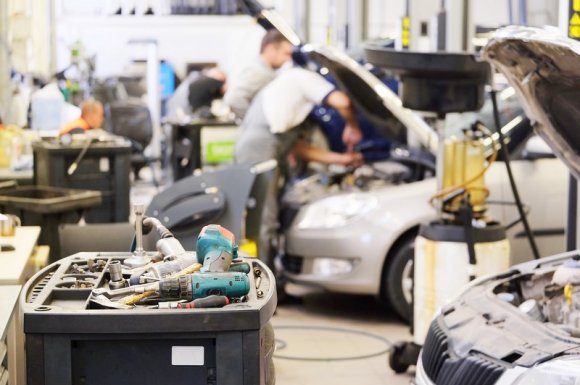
point(68, 339)
point(48, 200)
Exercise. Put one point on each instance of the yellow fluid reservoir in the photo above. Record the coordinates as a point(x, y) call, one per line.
point(464, 160)
point(442, 269)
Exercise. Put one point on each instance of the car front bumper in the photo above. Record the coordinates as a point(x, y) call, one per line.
point(360, 253)
point(336, 261)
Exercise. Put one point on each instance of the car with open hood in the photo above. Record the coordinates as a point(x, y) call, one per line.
point(360, 240)
point(522, 326)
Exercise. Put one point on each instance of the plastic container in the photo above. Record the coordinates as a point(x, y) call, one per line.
point(47, 207)
point(105, 167)
point(46, 106)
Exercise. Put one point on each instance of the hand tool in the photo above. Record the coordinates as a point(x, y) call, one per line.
point(216, 248)
point(115, 271)
point(201, 285)
point(240, 267)
point(151, 289)
point(140, 256)
point(211, 301)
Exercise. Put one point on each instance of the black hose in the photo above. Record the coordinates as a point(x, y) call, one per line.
point(504, 151)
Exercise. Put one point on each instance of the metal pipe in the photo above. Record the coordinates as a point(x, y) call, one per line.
point(153, 95)
point(4, 62)
point(465, 26)
point(523, 10)
point(139, 210)
point(365, 20)
point(510, 7)
point(331, 35)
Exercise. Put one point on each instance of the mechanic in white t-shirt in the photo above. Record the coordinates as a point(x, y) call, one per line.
point(273, 127)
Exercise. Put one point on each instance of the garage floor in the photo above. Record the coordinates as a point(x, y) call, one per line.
point(320, 337)
point(332, 326)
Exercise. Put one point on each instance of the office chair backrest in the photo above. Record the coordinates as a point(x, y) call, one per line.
point(214, 197)
point(132, 120)
point(109, 90)
point(95, 237)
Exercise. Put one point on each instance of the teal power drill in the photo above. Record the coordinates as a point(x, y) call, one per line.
point(200, 285)
point(216, 249)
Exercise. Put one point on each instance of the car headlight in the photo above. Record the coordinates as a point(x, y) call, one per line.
point(328, 267)
point(336, 211)
point(562, 371)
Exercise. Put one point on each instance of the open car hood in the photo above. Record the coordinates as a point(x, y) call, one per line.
point(544, 68)
point(372, 97)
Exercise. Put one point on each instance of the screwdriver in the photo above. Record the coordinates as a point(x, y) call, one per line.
point(206, 302)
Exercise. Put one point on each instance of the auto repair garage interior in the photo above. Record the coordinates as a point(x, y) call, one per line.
point(259, 192)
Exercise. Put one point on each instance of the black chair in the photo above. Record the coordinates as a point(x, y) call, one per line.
point(226, 197)
point(132, 120)
point(95, 237)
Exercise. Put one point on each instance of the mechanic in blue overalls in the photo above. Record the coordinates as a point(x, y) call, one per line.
point(274, 126)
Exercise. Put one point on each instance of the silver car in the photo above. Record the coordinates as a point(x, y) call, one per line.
point(361, 241)
point(522, 326)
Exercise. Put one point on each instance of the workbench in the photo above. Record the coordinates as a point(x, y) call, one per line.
point(15, 264)
point(105, 167)
point(23, 177)
point(11, 337)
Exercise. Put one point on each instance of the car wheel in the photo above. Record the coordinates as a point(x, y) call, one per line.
point(398, 280)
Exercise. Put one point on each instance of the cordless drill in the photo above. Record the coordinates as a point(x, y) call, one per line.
point(216, 249)
point(200, 285)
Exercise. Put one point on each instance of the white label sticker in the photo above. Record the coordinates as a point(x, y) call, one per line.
point(104, 165)
point(187, 355)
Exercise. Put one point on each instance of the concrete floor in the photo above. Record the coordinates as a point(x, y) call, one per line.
point(301, 332)
point(297, 327)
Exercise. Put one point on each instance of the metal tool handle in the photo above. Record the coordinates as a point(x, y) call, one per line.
point(73, 167)
point(139, 210)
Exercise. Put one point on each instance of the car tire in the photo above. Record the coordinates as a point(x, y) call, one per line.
point(397, 279)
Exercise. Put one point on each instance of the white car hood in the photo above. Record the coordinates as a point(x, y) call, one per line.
point(544, 68)
point(373, 98)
